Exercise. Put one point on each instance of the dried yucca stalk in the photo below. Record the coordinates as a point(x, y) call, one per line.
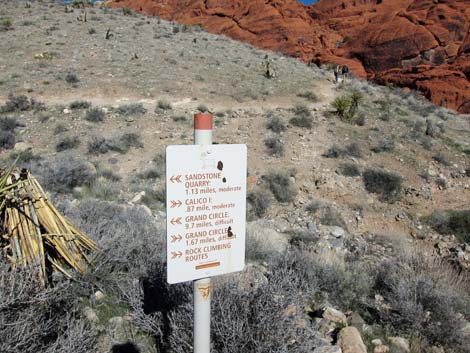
point(34, 233)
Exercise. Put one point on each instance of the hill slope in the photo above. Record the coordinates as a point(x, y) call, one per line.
point(410, 43)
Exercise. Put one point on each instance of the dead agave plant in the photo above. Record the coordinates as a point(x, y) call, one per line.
point(33, 232)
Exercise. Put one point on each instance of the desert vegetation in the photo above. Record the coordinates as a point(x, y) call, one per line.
point(357, 197)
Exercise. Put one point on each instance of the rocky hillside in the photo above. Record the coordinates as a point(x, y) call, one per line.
point(418, 44)
point(358, 216)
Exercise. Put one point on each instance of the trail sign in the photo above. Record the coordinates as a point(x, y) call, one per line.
point(206, 210)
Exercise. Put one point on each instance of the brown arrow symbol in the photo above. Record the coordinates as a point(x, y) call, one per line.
point(176, 203)
point(175, 221)
point(176, 254)
point(175, 238)
point(175, 178)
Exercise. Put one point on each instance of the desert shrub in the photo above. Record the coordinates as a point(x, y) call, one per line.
point(97, 145)
point(349, 169)
point(275, 146)
point(266, 318)
point(80, 105)
point(443, 183)
point(23, 157)
point(20, 103)
point(388, 185)
point(177, 118)
point(8, 124)
point(302, 118)
point(92, 31)
point(281, 186)
point(352, 150)
point(313, 206)
point(309, 95)
point(341, 106)
point(6, 24)
point(102, 189)
point(127, 238)
point(60, 128)
point(424, 296)
point(71, 78)
point(154, 198)
point(7, 139)
point(33, 319)
point(360, 120)
point(275, 124)
point(150, 173)
point(95, 115)
point(125, 142)
point(385, 145)
point(202, 108)
point(109, 174)
point(67, 143)
point(258, 203)
point(331, 217)
point(455, 222)
point(163, 105)
point(63, 174)
point(442, 159)
point(131, 109)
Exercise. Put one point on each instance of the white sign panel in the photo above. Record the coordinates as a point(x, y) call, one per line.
point(206, 210)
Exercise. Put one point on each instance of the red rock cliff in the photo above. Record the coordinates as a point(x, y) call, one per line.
point(421, 44)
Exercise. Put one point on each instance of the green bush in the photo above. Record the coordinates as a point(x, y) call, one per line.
point(386, 184)
point(163, 105)
point(302, 118)
point(341, 106)
point(95, 115)
point(275, 146)
point(275, 124)
point(455, 222)
point(67, 143)
point(349, 169)
point(131, 109)
point(80, 105)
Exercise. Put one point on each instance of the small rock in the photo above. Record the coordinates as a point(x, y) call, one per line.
point(22, 146)
point(377, 342)
point(350, 341)
point(357, 321)
point(138, 197)
point(66, 111)
point(337, 232)
point(401, 344)
point(334, 315)
point(99, 296)
point(381, 349)
point(312, 227)
point(90, 315)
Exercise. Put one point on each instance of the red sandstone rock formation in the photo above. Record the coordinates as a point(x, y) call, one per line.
point(421, 44)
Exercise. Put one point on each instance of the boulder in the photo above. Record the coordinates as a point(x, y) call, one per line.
point(350, 341)
point(334, 315)
point(400, 344)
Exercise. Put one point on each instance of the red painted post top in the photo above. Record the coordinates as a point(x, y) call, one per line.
point(203, 121)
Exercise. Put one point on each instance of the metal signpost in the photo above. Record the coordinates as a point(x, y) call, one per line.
point(206, 212)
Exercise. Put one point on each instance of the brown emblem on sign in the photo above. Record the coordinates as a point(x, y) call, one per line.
point(205, 291)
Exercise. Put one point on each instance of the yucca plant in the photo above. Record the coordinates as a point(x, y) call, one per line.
point(341, 106)
point(355, 98)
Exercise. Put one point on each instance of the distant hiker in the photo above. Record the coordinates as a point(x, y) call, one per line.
point(270, 73)
point(337, 70)
point(345, 71)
